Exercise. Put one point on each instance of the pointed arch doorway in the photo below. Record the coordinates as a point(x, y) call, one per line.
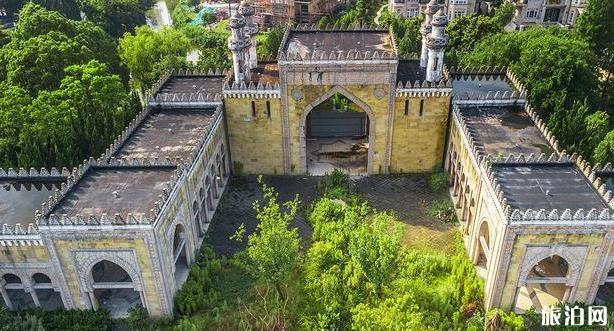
point(336, 131)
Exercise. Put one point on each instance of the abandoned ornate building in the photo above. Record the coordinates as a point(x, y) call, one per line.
point(123, 228)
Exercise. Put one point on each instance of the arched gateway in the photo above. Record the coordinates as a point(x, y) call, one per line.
point(335, 133)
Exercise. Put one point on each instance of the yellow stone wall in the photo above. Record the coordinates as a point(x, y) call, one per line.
point(379, 108)
point(65, 247)
point(21, 254)
point(418, 141)
point(256, 145)
point(588, 269)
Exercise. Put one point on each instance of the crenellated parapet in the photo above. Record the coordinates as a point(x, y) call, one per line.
point(186, 99)
point(424, 89)
point(252, 91)
point(543, 128)
point(475, 148)
point(490, 98)
point(520, 159)
point(455, 72)
point(351, 55)
point(34, 174)
point(126, 134)
point(561, 216)
point(18, 235)
point(317, 56)
point(155, 96)
point(593, 175)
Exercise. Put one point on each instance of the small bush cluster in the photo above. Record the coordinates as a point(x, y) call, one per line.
point(197, 292)
point(439, 182)
point(68, 320)
point(443, 210)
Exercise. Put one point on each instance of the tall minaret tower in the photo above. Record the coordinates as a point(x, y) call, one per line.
point(238, 45)
point(425, 30)
point(436, 43)
point(251, 30)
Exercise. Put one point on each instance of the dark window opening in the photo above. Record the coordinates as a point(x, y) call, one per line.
point(268, 109)
point(253, 108)
point(406, 107)
point(421, 107)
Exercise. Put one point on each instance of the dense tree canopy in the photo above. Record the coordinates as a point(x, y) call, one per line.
point(77, 120)
point(45, 42)
point(148, 53)
point(604, 153)
point(116, 16)
point(595, 24)
point(406, 31)
point(268, 43)
point(62, 99)
point(558, 68)
point(68, 8)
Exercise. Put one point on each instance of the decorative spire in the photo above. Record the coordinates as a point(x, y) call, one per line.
point(435, 43)
point(247, 10)
point(237, 43)
point(425, 29)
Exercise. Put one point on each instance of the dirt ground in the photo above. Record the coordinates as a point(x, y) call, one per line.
point(406, 196)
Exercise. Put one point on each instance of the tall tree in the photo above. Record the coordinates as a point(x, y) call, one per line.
point(272, 251)
point(148, 53)
point(117, 16)
point(45, 42)
point(604, 153)
point(77, 120)
point(13, 103)
point(595, 24)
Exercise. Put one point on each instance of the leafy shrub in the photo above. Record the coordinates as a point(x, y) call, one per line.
point(336, 182)
point(438, 182)
point(442, 210)
point(197, 292)
point(497, 319)
point(136, 316)
point(69, 320)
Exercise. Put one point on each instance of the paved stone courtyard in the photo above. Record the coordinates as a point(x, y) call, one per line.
point(406, 196)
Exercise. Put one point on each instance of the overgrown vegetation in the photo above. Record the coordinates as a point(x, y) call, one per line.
point(68, 320)
point(356, 274)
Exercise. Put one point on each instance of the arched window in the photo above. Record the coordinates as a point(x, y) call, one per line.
point(17, 298)
point(47, 297)
point(483, 245)
point(179, 255)
point(113, 289)
point(546, 285)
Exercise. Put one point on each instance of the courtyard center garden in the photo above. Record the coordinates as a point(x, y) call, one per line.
point(334, 253)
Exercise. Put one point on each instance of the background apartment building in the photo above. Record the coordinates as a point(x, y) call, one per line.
point(528, 12)
point(275, 12)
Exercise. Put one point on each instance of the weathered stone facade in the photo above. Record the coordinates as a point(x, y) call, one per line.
point(122, 229)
